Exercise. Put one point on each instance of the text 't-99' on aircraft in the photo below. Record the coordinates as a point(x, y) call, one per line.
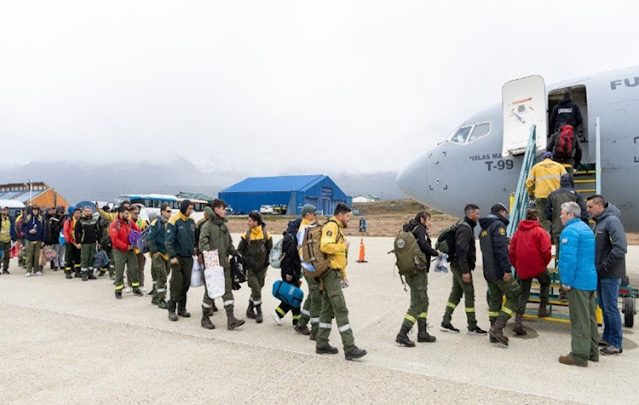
point(471, 167)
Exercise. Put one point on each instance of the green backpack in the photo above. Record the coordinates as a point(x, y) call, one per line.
point(409, 257)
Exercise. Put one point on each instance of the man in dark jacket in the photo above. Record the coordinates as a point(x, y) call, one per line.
point(291, 272)
point(180, 245)
point(493, 241)
point(565, 193)
point(565, 112)
point(461, 266)
point(33, 229)
point(611, 247)
point(87, 234)
point(159, 255)
point(418, 283)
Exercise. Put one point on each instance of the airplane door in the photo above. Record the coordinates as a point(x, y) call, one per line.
point(523, 105)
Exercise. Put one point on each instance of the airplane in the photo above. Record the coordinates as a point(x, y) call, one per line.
point(470, 166)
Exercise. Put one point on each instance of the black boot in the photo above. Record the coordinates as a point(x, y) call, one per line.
point(258, 314)
point(492, 339)
point(206, 322)
point(355, 353)
point(250, 313)
point(111, 274)
point(172, 316)
point(152, 292)
point(137, 292)
point(182, 310)
point(68, 275)
point(162, 304)
point(497, 331)
point(118, 295)
point(422, 332)
point(85, 275)
point(519, 326)
point(231, 321)
point(91, 275)
point(78, 273)
point(402, 337)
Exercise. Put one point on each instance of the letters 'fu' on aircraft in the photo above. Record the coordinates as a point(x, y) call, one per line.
point(474, 163)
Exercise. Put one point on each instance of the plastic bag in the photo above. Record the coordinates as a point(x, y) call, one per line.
point(196, 275)
point(215, 283)
point(441, 265)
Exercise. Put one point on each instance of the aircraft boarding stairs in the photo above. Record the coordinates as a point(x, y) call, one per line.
point(586, 184)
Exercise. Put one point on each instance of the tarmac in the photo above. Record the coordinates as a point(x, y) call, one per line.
point(67, 342)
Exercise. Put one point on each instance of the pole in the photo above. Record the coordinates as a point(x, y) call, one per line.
point(597, 156)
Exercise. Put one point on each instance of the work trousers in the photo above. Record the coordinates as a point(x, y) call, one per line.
point(334, 306)
point(459, 289)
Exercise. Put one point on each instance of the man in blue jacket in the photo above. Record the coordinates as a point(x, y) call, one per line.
point(610, 254)
point(579, 279)
point(33, 231)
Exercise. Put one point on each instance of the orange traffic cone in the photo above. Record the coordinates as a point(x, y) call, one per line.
point(362, 252)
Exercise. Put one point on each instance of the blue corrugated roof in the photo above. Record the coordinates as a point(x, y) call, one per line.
point(274, 184)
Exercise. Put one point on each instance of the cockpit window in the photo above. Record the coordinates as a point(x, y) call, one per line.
point(479, 130)
point(461, 135)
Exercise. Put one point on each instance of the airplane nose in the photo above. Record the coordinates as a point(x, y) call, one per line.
point(413, 179)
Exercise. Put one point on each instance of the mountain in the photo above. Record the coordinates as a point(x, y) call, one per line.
point(78, 181)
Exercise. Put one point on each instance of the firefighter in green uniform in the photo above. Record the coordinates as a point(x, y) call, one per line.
point(255, 247)
point(497, 271)
point(87, 234)
point(159, 256)
point(180, 245)
point(418, 283)
point(215, 235)
point(462, 264)
point(334, 244)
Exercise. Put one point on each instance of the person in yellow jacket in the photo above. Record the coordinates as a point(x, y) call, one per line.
point(255, 247)
point(334, 244)
point(544, 178)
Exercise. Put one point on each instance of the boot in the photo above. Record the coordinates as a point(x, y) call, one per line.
point(162, 304)
point(101, 273)
point(214, 308)
point(137, 292)
point(313, 335)
point(519, 327)
point(154, 300)
point(258, 314)
point(182, 310)
point(91, 275)
point(250, 313)
point(355, 353)
point(206, 322)
point(422, 332)
point(497, 331)
point(543, 312)
point(78, 274)
point(111, 274)
point(402, 337)
point(118, 294)
point(152, 292)
point(492, 339)
point(302, 330)
point(68, 275)
point(231, 321)
point(85, 275)
point(172, 316)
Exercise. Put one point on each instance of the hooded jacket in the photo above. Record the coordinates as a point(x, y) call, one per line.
point(577, 256)
point(255, 247)
point(291, 263)
point(565, 193)
point(565, 112)
point(214, 234)
point(423, 240)
point(119, 230)
point(611, 244)
point(36, 223)
point(494, 247)
point(530, 250)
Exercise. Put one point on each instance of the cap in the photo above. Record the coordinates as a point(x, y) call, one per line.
point(308, 209)
point(546, 155)
point(498, 207)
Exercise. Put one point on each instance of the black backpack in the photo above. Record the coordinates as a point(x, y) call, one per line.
point(238, 272)
point(446, 240)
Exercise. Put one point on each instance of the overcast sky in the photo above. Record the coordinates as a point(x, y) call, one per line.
point(280, 86)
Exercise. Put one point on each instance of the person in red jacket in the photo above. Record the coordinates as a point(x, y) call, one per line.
point(530, 253)
point(72, 249)
point(123, 255)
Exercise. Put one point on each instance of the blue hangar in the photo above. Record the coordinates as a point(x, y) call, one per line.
point(290, 191)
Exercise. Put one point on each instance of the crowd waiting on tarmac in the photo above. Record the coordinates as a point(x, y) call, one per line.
point(591, 264)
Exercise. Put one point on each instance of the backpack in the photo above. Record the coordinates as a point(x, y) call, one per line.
point(409, 257)
point(143, 242)
point(446, 240)
point(277, 254)
point(238, 272)
point(314, 262)
point(564, 142)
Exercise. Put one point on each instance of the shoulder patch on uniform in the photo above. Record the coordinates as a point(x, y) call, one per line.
point(502, 231)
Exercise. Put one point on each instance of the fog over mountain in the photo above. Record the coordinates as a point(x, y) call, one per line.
point(78, 181)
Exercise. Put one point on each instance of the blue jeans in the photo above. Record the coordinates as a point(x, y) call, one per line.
point(607, 295)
